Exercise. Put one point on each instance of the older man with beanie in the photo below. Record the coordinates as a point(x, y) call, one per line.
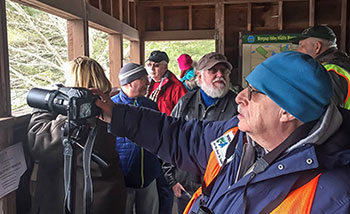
point(140, 168)
point(165, 89)
point(287, 151)
point(212, 101)
point(320, 42)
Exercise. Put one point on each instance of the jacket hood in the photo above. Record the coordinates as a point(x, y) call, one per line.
point(331, 138)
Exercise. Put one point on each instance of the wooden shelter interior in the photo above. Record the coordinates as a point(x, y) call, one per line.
point(161, 20)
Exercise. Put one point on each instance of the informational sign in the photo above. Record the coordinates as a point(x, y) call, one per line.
point(12, 167)
point(258, 47)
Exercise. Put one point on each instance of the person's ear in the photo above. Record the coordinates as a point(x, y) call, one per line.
point(285, 116)
point(199, 76)
point(318, 47)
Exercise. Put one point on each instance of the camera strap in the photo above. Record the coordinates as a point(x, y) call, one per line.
point(67, 166)
point(88, 188)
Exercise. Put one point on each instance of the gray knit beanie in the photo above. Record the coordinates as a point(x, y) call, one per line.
point(131, 72)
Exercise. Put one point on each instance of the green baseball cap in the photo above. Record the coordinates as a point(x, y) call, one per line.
point(321, 32)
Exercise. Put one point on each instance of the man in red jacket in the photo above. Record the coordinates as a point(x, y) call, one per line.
point(165, 89)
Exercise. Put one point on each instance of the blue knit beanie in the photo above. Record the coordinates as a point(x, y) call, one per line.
point(296, 82)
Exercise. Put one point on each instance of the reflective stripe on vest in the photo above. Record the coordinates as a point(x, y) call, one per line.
point(343, 73)
point(211, 172)
point(300, 200)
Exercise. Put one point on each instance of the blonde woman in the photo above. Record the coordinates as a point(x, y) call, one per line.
point(44, 138)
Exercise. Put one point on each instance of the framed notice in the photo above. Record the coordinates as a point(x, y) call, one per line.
point(256, 47)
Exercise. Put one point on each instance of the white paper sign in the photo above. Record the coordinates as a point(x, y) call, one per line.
point(220, 146)
point(12, 167)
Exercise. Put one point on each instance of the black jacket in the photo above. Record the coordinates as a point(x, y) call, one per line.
point(340, 84)
point(191, 106)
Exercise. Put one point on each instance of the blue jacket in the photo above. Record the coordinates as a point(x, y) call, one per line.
point(187, 144)
point(139, 166)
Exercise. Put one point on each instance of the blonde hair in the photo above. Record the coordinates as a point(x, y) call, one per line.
point(86, 72)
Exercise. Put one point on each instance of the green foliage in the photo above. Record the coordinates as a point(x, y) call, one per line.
point(196, 49)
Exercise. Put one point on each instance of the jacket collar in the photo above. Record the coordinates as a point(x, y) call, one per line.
point(125, 99)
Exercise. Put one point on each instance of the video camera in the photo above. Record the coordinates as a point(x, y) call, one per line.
point(77, 103)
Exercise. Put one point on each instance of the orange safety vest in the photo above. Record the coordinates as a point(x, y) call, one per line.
point(298, 201)
point(211, 172)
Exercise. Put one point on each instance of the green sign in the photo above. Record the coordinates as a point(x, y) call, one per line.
point(268, 38)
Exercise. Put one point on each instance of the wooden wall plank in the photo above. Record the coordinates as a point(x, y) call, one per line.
point(161, 22)
point(280, 15)
point(190, 17)
point(343, 24)
point(115, 57)
point(311, 12)
point(219, 26)
point(121, 14)
point(249, 17)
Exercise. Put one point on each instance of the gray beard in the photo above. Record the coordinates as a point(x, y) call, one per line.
point(215, 92)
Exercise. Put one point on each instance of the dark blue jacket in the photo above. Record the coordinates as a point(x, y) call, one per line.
point(139, 166)
point(187, 144)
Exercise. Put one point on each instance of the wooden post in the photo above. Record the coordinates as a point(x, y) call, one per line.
point(75, 38)
point(7, 203)
point(115, 57)
point(135, 52)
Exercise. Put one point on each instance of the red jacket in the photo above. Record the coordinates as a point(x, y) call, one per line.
point(171, 90)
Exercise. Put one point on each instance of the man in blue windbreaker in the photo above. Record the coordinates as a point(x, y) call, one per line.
point(140, 168)
point(287, 151)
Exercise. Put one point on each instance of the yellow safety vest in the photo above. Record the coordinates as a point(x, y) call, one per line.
point(341, 72)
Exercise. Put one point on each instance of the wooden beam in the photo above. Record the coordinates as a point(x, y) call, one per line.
point(75, 31)
point(115, 57)
point(178, 35)
point(111, 25)
point(280, 15)
point(135, 52)
point(204, 2)
point(219, 27)
point(249, 18)
point(311, 12)
point(72, 9)
point(343, 24)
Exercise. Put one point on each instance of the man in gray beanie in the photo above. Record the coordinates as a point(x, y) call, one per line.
point(287, 151)
point(140, 168)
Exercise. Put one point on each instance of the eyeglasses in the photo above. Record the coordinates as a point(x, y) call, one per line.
point(214, 70)
point(156, 65)
point(251, 90)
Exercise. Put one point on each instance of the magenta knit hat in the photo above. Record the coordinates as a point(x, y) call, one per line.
point(185, 62)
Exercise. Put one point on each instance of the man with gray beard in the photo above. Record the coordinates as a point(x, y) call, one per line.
point(211, 101)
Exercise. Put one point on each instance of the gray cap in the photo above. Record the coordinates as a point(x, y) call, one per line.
point(211, 59)
point(131, 72)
